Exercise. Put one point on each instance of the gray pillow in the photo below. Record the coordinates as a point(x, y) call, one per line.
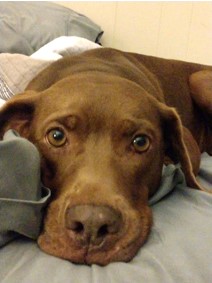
point(27, 26)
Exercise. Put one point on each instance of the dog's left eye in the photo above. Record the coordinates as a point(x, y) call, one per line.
point(141, 143)
point(56, 137)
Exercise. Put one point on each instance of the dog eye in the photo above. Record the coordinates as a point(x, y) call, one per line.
point(141, 143)
point(56, 137)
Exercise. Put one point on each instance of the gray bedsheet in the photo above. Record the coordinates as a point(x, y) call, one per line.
point(178, 249)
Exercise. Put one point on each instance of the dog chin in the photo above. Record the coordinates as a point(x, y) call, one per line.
point(117, 254)
point(89, 256)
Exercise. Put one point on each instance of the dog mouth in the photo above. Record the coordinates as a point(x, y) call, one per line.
point(85, 242)
point(123, 250)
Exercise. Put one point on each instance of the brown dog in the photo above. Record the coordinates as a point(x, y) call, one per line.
point(105, 122)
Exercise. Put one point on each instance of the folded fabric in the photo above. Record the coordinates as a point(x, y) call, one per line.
point(17, 70)
point(64, 46)
point(22, 196)
point(5, 92)
point(172, 176)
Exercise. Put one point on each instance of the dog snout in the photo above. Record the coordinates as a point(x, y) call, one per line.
point(92, 225)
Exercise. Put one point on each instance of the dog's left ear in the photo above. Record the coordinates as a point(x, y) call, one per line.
point(18, 113)
point(180, 146)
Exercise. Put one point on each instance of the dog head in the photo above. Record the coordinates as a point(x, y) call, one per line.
point(103, 141)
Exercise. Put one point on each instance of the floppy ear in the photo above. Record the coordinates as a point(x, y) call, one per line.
point(18, 112)
point(200, 84)
point(177, 141)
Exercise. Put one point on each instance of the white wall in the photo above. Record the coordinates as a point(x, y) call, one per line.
point(178, 30)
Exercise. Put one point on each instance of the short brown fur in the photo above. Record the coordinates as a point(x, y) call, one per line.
point(102, 100)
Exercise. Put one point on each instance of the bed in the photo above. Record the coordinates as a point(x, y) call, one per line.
point(179, 246)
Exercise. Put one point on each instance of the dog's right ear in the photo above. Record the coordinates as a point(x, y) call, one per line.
point(17, 113)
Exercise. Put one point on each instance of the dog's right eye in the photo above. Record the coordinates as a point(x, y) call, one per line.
point(56, 137)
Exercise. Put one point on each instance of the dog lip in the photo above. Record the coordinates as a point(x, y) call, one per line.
point(86, 241)
point(107, 252)
point(110, 250)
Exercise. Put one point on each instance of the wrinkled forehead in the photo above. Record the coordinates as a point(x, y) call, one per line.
point(98, 97)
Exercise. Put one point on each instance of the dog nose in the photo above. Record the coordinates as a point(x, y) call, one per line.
point(91, 224)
